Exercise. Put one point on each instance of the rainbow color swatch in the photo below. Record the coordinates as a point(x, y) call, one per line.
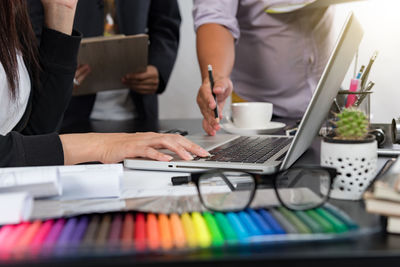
point(144, 232)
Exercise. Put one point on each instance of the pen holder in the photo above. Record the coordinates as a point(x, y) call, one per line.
point(355, 162)
point(359, 99)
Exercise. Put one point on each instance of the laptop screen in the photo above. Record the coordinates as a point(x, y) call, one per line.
point(327, 89)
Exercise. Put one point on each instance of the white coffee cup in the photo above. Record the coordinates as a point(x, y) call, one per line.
point(251, 115)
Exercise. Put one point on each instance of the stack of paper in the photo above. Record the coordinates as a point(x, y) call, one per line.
point(15, 207)
point(90, 181)
point(38, 181)
point(68, 190)
point(67, 182)
point(86, 189)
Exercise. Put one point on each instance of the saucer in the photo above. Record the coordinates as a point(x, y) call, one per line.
point(272, 127)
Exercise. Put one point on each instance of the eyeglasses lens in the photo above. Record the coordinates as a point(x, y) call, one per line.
point(302, 189)
point(226, 190)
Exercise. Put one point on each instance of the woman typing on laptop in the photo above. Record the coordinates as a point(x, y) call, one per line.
point(35, 87)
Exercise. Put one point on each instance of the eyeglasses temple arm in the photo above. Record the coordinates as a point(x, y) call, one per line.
point(226, 180)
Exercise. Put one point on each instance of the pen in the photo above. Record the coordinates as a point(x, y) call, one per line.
point(354, 86)
point(362, 97)
point(210, 77)
point(364, 76)
point(360, 72)
point(369, 86)
point(337, 105)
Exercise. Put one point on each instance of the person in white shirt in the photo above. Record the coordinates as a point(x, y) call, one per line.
point(262, 57)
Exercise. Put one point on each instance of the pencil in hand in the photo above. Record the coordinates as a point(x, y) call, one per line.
point(210, 77)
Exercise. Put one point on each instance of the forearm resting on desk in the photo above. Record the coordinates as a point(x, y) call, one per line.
point(115, 147)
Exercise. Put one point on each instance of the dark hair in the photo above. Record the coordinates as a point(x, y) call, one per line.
point(16, 34)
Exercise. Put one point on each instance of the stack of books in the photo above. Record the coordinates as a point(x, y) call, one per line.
point(384, 198)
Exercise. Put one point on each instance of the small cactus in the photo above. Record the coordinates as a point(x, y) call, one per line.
point(351, 124)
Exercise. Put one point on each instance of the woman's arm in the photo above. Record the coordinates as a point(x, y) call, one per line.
point(58, 60)
point(115, 147)
point(59, 15)
point(17, 150)
point(50, 149)
point(50, 97)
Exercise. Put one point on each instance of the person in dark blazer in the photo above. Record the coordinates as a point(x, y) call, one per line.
point(160, 19)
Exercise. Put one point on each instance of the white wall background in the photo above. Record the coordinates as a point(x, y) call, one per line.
point(381, 22)
point(179, 99)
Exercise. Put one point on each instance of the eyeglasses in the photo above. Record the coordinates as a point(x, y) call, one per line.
point(296, 188)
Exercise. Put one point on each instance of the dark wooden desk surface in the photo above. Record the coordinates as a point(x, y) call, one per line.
point(130, 126)
point(368, 250)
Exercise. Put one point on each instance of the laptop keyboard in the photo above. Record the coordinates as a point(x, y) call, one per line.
point(247, 149)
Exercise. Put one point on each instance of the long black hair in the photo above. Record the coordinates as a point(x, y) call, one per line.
point(16, 34)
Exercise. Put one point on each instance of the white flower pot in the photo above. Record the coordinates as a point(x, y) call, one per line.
point(356, 164)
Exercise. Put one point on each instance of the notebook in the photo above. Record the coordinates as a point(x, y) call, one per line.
point(283, 151)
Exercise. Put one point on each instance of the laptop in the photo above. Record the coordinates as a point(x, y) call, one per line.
point(268, 154)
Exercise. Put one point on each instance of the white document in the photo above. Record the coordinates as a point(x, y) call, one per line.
point(38, 181)
point(75, 182)
point(138, 184)
point(86, 189)
point(46, 209)
point(15, 207)
point(90, 181)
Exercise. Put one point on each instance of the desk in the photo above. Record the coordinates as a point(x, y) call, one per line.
point(369, 250)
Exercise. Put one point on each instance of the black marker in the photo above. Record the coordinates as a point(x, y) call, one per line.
point(179, 180)
point(210, 77)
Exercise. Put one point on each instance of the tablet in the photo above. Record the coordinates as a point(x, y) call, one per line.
point(110, 58)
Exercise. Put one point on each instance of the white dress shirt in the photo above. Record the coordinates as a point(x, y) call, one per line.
point(279, 58)
point(12, 110)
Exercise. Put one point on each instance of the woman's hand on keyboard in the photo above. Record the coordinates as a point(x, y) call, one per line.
point(115, 147)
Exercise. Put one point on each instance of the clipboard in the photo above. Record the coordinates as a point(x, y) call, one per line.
point(110, 58)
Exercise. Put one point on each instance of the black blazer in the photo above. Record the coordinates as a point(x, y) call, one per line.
point(33, 141)
point(160, 19)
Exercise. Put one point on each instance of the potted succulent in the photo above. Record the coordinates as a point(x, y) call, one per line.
point(352, 151)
